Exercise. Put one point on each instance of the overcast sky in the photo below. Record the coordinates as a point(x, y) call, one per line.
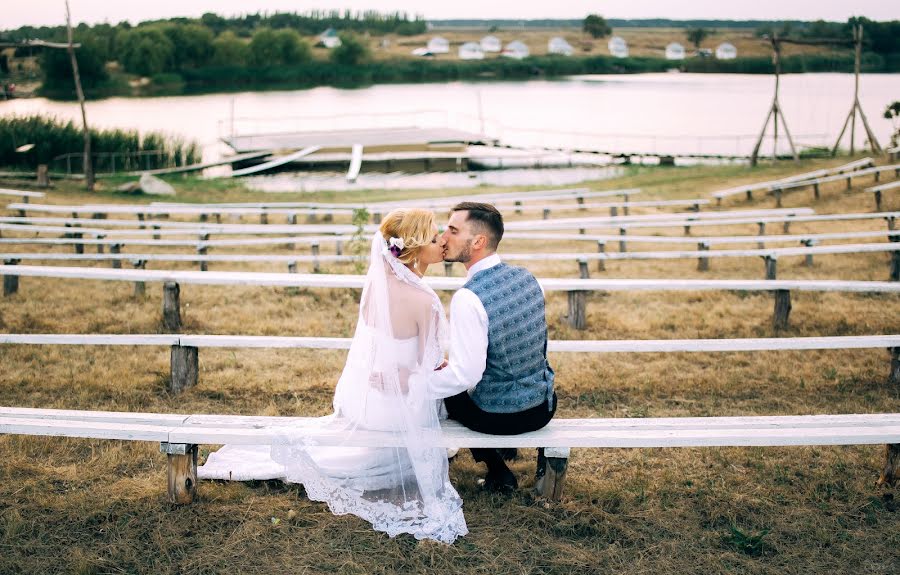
point(52, 12)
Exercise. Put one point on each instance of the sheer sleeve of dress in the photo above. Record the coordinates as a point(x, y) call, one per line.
point(380, 455)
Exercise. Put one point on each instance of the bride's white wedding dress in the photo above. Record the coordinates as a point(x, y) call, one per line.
point(402, 487)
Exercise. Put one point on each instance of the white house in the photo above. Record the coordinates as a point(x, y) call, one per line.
point(471, 51)
point(491, 44)
point(618, 47)
point(726, 51)
point(438, 45)
point(516, 49)
point(558, 45)
point(329, 38)
point(674, 51)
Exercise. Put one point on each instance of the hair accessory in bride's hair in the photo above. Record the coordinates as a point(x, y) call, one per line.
point(396, 246)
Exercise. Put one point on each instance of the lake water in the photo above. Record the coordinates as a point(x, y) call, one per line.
point(650, 113)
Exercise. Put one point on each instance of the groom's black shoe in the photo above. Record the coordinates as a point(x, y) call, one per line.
point(500, 480)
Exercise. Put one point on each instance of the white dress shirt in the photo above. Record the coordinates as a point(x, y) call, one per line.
point(468, 339)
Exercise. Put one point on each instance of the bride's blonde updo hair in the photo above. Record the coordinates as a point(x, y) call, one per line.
point(414, 225)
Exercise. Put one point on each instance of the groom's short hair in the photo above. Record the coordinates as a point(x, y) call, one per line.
point(487, 218)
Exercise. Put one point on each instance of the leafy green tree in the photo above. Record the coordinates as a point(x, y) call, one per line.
point(265, 49)
point(696, 36)
point(292, 47)
point(192, 44)
point(56, 66)
point(145, 50)
point(596, 26)
point(351, 52)
point(229, 50)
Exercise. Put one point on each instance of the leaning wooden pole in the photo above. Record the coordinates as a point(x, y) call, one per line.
point(774, 111)
point(851, 117)
point(88, 165)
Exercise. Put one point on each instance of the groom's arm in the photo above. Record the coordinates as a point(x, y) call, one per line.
point(468, 347)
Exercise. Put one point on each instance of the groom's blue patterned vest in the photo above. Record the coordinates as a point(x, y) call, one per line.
point(517, 376)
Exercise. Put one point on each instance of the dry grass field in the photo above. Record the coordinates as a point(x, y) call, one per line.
point(90, 506)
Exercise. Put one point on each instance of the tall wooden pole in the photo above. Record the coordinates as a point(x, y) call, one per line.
point(774, 111)
point(851, 117)
point(88, 165)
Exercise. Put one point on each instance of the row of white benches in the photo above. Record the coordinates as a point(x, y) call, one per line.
point(778, 189)
point(703, 254)
point(204, 211)
point(184, 358)
point(180, 435)
point(576, 289)
point(877, 191)
point(748, 189)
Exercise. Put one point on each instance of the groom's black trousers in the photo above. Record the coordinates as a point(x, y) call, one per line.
point(461, 408)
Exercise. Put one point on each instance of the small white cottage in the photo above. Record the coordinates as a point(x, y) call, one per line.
point(491, 44)
point(674, 51)
point(726, 51)
point(618, 47)
point(516, 49)
point(438, 45)
point(329, 38)
point(471, 51)
point(558, 45)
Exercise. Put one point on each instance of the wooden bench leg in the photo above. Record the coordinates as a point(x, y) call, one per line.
point(583, 271)
point(448, 269)
point(894, 376)
point(703, 263)
point(895, 266)
point(782, 309)
point(601, 263)
point(551, 472)
point(184, 368)
point(315, 252)
point(140, 288)
point(181, 470)
point(891, 470)
point(877, 200)
point(577, 309)
point(171, 307)
point(10, 283)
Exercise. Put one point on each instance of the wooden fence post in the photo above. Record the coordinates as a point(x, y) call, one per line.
point(172, 307)
point(703, 263)
point(140, 288)
point(551, 472)
point(116, 249)
point(601, 249)
point(809, 257)
point(10, 283)
point(577, 309)
point(184, 368)
point(43, 176)
point(894, 376)
point(181, 465)
point(782, 296)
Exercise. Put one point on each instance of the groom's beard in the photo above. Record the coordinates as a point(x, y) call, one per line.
point(464, 255)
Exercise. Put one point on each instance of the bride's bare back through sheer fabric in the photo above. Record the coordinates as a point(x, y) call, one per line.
point(400, 484)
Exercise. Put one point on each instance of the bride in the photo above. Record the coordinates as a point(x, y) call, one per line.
point(400, 341)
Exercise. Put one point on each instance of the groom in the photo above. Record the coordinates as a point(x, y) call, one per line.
point(498, 380)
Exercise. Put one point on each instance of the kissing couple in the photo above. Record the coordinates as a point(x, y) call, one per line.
point(396, 379)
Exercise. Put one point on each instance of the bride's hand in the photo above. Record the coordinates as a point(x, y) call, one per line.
point(442, 366)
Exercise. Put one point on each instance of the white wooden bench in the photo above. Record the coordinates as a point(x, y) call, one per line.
point(748, 189)
point(167, 227)
point(291, 213)
point(779, 188)
point(180, 435)
point(703, 255)
point(24, 194)
point(877, 190)
point(184, 358)
point(576, 289)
